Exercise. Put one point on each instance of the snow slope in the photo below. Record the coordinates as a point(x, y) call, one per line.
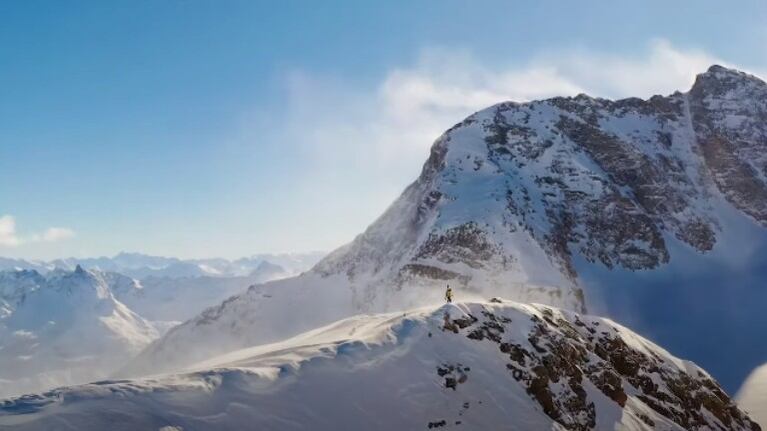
point(65, 328)
point(178, 299)
point(752, 396)
point(485, 365)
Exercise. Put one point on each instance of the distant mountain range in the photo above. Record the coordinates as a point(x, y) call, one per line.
point(63, 326)
point(142, 266)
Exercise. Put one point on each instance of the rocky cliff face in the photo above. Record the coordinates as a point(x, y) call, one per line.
point(729, 109)
point(565, 356)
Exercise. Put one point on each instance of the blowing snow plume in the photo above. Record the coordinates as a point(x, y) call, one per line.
point(752, 396)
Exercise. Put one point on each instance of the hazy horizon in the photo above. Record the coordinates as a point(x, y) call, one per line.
point(127, 252)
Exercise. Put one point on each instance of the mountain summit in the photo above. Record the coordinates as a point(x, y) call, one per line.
point(511, 196)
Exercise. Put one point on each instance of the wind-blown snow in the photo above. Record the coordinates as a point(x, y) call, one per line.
point(140, 266)
point(752, 396)
point(449, 367)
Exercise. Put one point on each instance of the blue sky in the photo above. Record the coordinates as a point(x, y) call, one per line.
point(227, 128)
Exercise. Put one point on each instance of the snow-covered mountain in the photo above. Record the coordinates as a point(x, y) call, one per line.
point(180, 299)
point(752, 396)
point(42, 317)
point(140, 266)
point(516, 192)
point(524, 200)
point(15, 286)
point(64, 328)
point(11, 264)
point(488, 365)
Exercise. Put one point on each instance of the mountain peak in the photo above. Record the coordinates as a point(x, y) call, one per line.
point(716, 68)
point(719, 80)
point(719, 71)
point(546, 168)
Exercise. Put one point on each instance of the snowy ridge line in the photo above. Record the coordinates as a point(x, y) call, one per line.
point(140, 266)
point(468, 365)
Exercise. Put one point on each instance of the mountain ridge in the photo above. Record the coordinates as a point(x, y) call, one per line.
point(139, 265)
point(470, 365)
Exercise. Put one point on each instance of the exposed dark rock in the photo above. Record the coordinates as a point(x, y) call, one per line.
point(562, 354)
point(466, 243)
point(454, 375)
point(437, 424)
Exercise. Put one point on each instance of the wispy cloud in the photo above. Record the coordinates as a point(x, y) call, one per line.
point(395, 122)
point(358, 145)
point(53, 234)
point(10, 238)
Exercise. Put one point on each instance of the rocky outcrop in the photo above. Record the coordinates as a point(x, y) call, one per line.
point(729, 113)
point(566, 356)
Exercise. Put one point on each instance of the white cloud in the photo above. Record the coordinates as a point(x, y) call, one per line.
point(395, 123)
point(10, 238)
point(53, 234)
point(443, 88)
point(25, 335)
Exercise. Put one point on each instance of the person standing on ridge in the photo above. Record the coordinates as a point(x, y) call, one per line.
point(449, 294)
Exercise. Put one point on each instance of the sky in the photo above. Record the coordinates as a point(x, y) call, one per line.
point(228, 128)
